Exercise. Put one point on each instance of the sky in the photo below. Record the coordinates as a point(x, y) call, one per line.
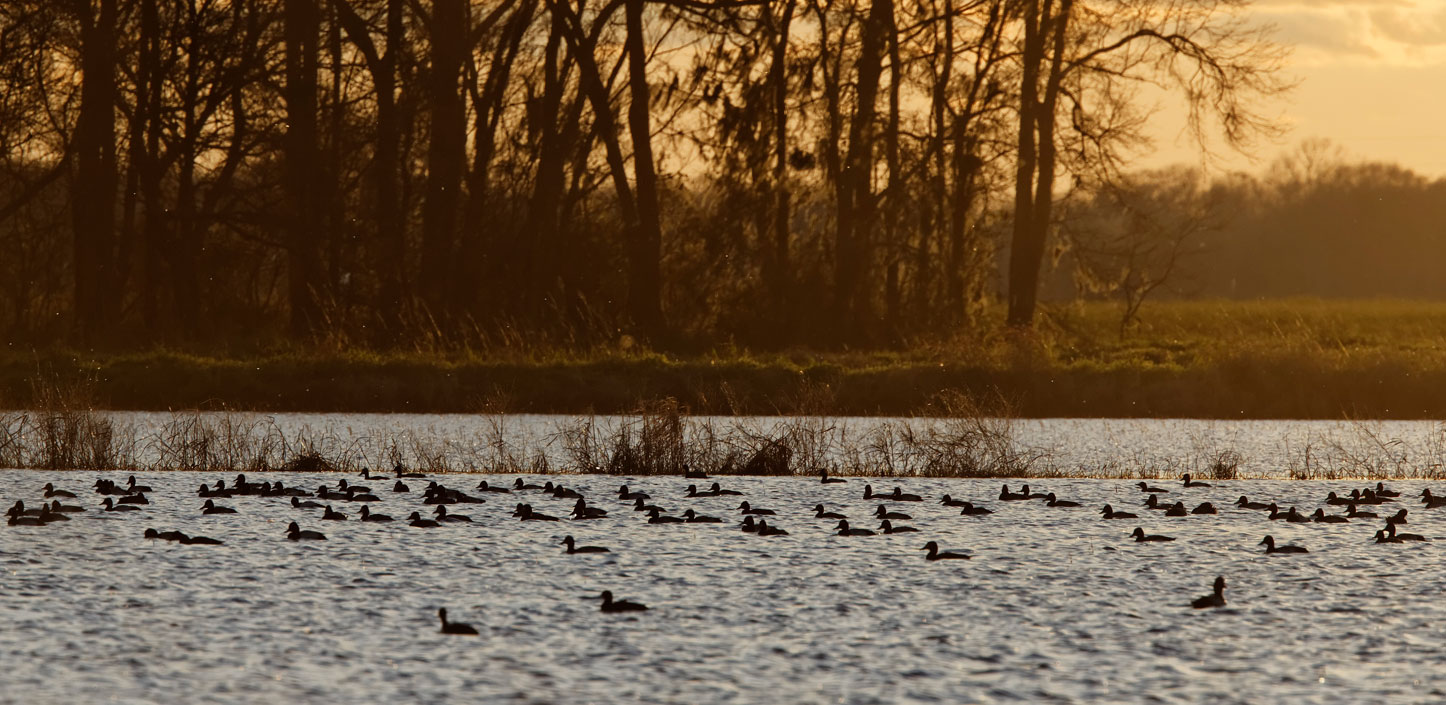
point(1372, 79)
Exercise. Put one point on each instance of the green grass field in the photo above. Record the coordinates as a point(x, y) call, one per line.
point(1209, 359)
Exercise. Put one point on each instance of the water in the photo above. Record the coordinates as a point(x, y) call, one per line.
point(1057, 605)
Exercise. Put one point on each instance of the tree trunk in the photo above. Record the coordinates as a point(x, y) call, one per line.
point(1024, 252)
point(446, 153)
point(779, 267)
point(645, 254)
point(93, 201)
point(302, 168)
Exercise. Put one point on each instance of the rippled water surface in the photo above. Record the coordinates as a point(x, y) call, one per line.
point(1057, 605)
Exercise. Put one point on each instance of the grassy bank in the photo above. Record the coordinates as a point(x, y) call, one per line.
point(1269, 359)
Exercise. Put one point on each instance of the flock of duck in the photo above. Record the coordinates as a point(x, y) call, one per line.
point(131, 497)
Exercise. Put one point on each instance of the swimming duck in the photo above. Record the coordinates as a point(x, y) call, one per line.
point(1214, 599)
point(415, 519)
point(888, 527)
point(693, 492)
point(951, 502)
point(454, 627)
point(1381, 491)
point(899, 495)
point(573, 548)
point(936, 555)
point(212, 508)
point(824, 479)
point(1024, 490)
point(1245, 503)
point(844, 530)
point(1382, 537)
point(164, 535)
point(1146, 488)
point(610, 605)
point(401, 471)
point(200, 541)
point(624, 494)
point(719, 491)
point(747, 509)
point(342, 486)
point(133, 488)
point(1269, 543)
point(20, 520)
point(1332, 499)
point(1141, 537)
point(693, 518)
point(1051, 501)
point(1204, 508)
point(1397, 518)
point(747, 525)
point(1192, 483)
point(1430, 501)
point(1391, 530)
point(969, 510)
point(134, 499)
point(819, 513)
point(1353, 513)
point(1110, 513)
point(50, 491)
point(883, 513)
point(1320, 517)
point(58, 508)
point(1153, 502)
point(657, 517)
point(308, 504)
point(295, 533)
point(1004, 495)
point(490, 488)
point(366, 474)
point(580, 510)
point(401, 487)
point(767, 529)
point(640, 506)
point(1176, 510)
point(518, 484)
point(1291, 516)
point(525, 513)
point(331, 515)
point(110, 507)
point(366, 515)
point(442, 515)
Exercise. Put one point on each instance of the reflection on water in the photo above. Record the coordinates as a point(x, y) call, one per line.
point(1057, 604)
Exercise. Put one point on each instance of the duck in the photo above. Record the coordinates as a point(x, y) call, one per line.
point(211, 507)
point(641, 506)
point(969, 510)
point(525, 513)
point(401, 471)
point(1214, 599)
point(766, 529)
point(656, 516)
point(1004, 495)
point(134, 499)
point(442, 515)
point(308, 504)
point(1153, 502)
point(1110, 513)
point(693, 492)
point(883, 513)
point(824, 479)
point(1291, 516)
point(899, 495)
point(819, 513)
point(1144, 487)
point(572, 547)
point(1334, 500)
point(48, 516)
point(1383, 537)
point(624, 494)
point(611, 605)
point(50, 491)
point(1245, 503)
point(691, 517)
point(1353, 513)
point(133, 488)
point(295, 533)
point(415, 519)
point(1141, 537)
point(201, 541)
point(747, 525)
point(1430, 501)
point(1381, 491)
point(400, 487)
point(951, 502)
point(1391, 530)
point(366, 515)
point(366, 474)
point(1024, 490)
point(454, 627)
point(934, 554)
point(331, 515)
point(483, 486)
point(1176, 510)
point(1320, 517)
point(1397, 518)
point(888, 527)
point(342, 486)
point(164, 535)
point(749, 509)
point(58, 508)
point(719, 491)
point(112, 507)
point(1205, 508)
point(21, 520)
point(690, 474)
point(844, 530)
point(1051, 501)
point(518, 484)
point(1269, 543)
point(18, 509)
point(580, 510)
point(1186, 481)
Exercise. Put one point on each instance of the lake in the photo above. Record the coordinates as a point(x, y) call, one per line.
point(1057, 604)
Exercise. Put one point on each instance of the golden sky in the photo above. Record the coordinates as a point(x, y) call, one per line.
point(1372, 80)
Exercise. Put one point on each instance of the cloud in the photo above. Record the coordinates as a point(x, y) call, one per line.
point(1424, 29)
point(1381, 32)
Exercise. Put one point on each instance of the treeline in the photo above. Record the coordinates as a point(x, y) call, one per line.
point(563, 172)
